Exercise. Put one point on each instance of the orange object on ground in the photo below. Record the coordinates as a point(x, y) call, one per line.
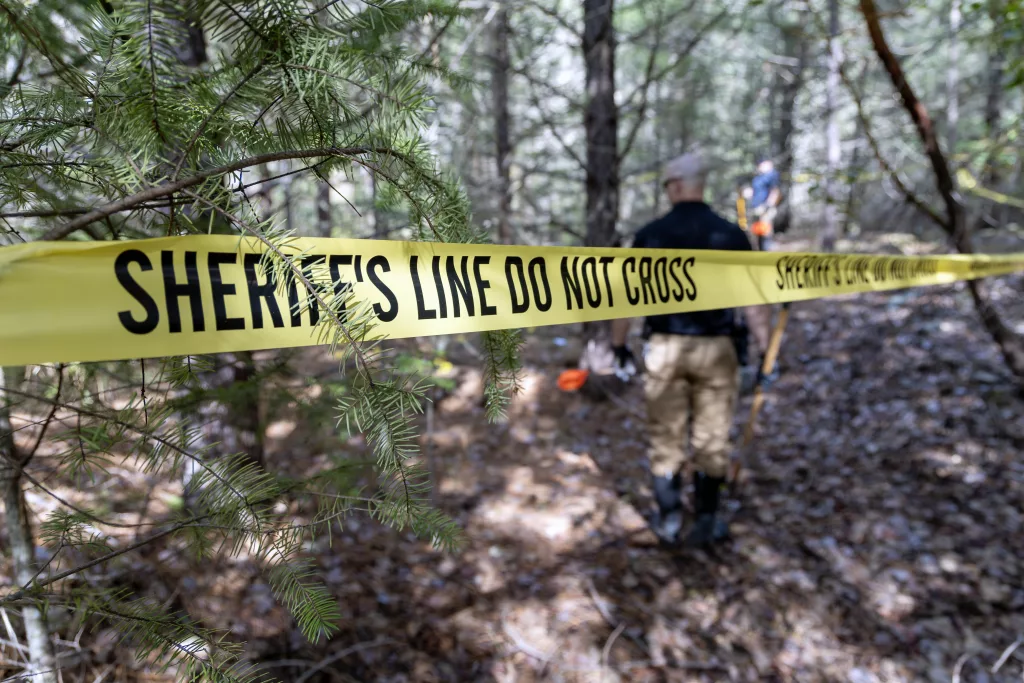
point(572, 380)
point(761, 228)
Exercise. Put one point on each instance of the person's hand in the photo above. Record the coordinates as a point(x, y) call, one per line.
point(625, 362)
point(764, 380)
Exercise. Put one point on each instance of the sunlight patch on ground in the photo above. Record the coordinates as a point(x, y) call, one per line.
point(521, 520)
point(281, 429)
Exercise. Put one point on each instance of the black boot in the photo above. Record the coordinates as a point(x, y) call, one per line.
point(707, 529)
point(668, 521)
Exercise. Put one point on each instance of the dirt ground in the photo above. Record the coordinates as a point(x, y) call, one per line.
point(877, 536)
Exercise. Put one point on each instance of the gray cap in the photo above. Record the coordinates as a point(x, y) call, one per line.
point(689, 167)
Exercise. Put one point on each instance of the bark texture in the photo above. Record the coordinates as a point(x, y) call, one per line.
point(323, 209)
point(1010, 344)
point(831, 231)
point(42, 662)
point(601, 122)
point(796, 47)
point(503, 143)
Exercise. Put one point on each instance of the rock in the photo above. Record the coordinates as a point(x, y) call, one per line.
point(928, 564)
point(859, 675)
point(949, 563)
point(994, 592)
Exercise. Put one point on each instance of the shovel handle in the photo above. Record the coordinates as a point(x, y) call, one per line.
point(771, 355)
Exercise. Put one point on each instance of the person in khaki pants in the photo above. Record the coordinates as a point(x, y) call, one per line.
point(692, 367)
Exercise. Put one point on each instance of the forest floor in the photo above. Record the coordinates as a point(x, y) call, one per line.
point(876, 537)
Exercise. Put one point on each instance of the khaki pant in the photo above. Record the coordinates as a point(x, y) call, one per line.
point(691, 388)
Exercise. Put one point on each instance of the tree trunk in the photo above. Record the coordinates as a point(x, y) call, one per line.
point(796, 47)
point(774, 132)
point(225, 414)
point(380, 220)
point(1010, 344)
point(993, 114)
point(323, 209)
point(831, 232)
point(659, 147)
point(953, 78)
point(288, 204)
point(856, 163)
point(42, 662)
point(503, 156)
point(233, 422)
point(601, 122)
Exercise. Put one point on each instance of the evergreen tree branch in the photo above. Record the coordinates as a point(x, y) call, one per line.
point(865, 123)
point(209, 117)
point(152, 73)
point(311, 289)
point(23, 592)
point(146, 434)
point(49, 418)
point(386, 175)
point(646, 89)
point(84, 513)
point(32, 37)
point(170, 188)
point(691, 45)
point(64, 213)
point(241, 17)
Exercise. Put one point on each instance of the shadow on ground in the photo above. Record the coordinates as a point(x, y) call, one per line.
point(877, 536)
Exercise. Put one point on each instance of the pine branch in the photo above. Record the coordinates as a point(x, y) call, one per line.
point(170, 188)
point(648, 78)
point(209, 117)
point(311, 289)
point(654, 77)
point(32, 37)
point(152, 73)
point(147, 435)
point(63, 213)
point(85, 513)
point(49, 418)
point(23, 592)
point(876, 148)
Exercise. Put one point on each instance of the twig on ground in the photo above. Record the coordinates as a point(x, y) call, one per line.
point(525, 647)
point(599, 603)
point(323, 664)
point(15, 643)
point(608, 647)
point(960, 666)
point(103, 674)
point(1006, 654)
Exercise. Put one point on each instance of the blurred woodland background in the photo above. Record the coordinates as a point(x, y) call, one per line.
point(434, 509)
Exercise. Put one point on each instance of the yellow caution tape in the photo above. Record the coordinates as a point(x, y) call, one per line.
point(95, 301)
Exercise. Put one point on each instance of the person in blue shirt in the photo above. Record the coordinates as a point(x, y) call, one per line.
point(764, 202)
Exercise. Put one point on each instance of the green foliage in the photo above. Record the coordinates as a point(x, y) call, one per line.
point(296, 586)
point(1012, 23)
point(204, 655)
point(176, 100)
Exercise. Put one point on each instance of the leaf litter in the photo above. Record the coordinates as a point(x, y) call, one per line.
point(876, 534)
